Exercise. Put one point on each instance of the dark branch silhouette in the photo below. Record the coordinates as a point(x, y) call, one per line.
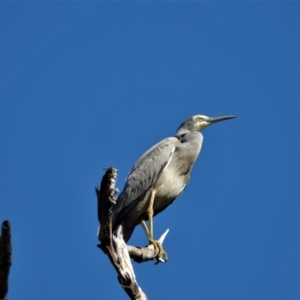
point(5, 258)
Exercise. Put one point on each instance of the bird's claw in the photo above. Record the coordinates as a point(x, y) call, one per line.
point(162, 255)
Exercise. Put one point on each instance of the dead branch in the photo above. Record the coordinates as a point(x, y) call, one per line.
point(113, 244)
point(5, 258)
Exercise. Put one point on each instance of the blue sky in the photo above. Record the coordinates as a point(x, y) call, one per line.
point(86, 85)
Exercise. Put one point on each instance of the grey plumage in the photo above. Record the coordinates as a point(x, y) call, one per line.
point(165, 169)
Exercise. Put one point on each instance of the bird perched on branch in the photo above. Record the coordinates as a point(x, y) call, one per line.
point(158, 178)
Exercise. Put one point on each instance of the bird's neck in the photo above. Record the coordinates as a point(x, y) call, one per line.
point(182, 131)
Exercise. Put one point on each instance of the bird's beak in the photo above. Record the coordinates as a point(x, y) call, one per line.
point(218, 119)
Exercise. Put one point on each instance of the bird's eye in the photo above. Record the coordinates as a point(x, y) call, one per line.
point(198, 119)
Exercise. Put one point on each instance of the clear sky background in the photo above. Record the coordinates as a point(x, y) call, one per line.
point(87, 85)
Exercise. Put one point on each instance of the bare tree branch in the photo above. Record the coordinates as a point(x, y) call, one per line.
point(5, 258)
point(113, 244)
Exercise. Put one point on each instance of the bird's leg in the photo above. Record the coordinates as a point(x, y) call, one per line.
point(144, 225)
point(150, 214)
point(149, 232)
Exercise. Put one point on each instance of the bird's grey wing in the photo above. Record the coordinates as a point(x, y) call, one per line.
point(143, 176)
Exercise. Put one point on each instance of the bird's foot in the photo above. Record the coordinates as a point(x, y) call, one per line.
point(162, 255)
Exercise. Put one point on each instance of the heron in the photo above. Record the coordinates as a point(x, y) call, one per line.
point(159, 177)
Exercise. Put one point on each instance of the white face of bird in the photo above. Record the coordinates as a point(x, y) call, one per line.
point(201, 121)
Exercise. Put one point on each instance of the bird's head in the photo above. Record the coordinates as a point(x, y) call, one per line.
point(199, 122)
